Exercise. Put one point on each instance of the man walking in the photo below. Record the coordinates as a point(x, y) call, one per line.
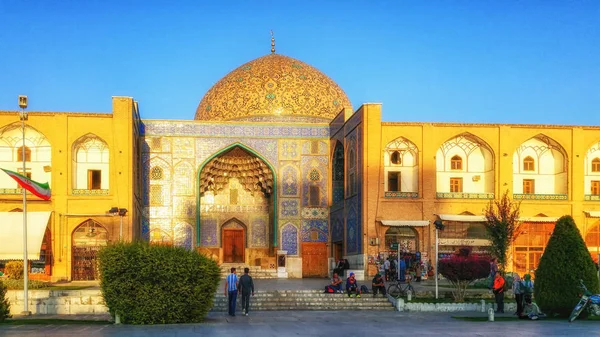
point(231, 290)
point(246, 288)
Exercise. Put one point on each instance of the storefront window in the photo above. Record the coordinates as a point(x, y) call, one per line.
point(592, 241)
point(529, 246)
point(405, 237)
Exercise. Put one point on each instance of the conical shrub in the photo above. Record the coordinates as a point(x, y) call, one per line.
point(4, 305)
point(565, 261)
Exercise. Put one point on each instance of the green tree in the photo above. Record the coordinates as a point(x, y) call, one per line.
point(4, 305)
point(565, 261)
point(502, 221)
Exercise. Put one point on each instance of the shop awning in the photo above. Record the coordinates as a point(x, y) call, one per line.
point(537, 219)
point(405, 223)
point(11, 234)
point(463, 218)
point(592, 214)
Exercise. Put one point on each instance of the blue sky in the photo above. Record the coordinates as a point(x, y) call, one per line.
point(436, 61)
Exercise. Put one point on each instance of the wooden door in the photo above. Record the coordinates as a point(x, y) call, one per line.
point(233, 245)
point(84, 266)
point(314, 259)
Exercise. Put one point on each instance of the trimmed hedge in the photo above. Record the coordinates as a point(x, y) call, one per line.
point(150, 284)
point(4, 305)
point(18, 284)
point(565, 261)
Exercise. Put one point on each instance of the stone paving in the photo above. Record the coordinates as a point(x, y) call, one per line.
point(318, 323)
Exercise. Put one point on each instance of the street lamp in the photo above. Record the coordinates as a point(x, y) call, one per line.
point(114, 211)
point(23, 117)
point(438, 227)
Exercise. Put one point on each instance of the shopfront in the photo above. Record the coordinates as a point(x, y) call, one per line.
point(462, 231)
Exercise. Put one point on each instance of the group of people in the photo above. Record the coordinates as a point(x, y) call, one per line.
point(244, 286)
point(394, 268)
point(522, 289)
point(352, 287)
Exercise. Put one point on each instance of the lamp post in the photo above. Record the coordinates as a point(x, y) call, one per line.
point(438, 227)
point(23, 117)
point(121, 212)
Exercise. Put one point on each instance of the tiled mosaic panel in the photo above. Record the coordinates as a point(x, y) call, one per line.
point(197, 129)
point(309, 165)
point(352, 231)
point(184, 207)
point(315, 213)
point(183, 235)
point(208, 232)
point(159, 212)
point(289, 150)
point(290, 180)
point(205, 148)
point(145, 182)
point(183, 147)
point(337, 226)
point(183, 179)
point(289, 208)
point(359, 185)
point(259, 232)
point(289, 239)
point(322, 148)
point(319, 225)
point(338, 191)
point(145, 229)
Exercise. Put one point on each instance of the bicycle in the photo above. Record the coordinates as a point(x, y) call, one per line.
point(400, 289)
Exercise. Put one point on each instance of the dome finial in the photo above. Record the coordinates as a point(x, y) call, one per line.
point(272, 42)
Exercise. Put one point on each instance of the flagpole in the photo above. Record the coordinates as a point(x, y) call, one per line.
point(23, 117)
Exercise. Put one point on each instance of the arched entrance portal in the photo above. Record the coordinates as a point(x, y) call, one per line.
point(234, 241)
point(88, 238)
point(237, 202)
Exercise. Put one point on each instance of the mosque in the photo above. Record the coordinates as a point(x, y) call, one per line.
point(278, 171)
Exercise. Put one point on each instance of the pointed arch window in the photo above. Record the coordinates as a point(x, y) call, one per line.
point(27, 154)
point(395, 158)
point(528, 164)
point(456, 163)
point(596, 165)
point(156, 173)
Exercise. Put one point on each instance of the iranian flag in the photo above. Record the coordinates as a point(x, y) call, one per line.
point(40, 190)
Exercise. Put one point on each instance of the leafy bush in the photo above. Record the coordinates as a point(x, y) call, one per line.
point(461, 271)
point(565, 261)
point(150, 284)
point(14, 270)
point(18, 284)
point(4, 305)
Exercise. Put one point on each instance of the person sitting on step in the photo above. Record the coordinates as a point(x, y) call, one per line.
point(378, 285)
point(352, 287)
point(336, 283)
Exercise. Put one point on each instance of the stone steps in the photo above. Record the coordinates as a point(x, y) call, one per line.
point(255, 271)
point(305, 300)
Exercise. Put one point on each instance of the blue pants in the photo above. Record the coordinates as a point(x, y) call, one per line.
point(337, 287)
point(232, 296)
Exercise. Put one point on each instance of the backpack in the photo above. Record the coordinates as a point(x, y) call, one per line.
point(328, 289)
point(364, 289)
point(527, 287)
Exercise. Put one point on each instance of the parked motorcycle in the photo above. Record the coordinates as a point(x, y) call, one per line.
point(589, 301)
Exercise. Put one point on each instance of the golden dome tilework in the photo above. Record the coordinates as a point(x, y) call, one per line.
point(273, 85)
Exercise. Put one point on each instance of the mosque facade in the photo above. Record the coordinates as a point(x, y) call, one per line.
point(278, 171)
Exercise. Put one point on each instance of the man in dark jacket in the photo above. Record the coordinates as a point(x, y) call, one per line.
point(378, 285)
point(246, 288)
